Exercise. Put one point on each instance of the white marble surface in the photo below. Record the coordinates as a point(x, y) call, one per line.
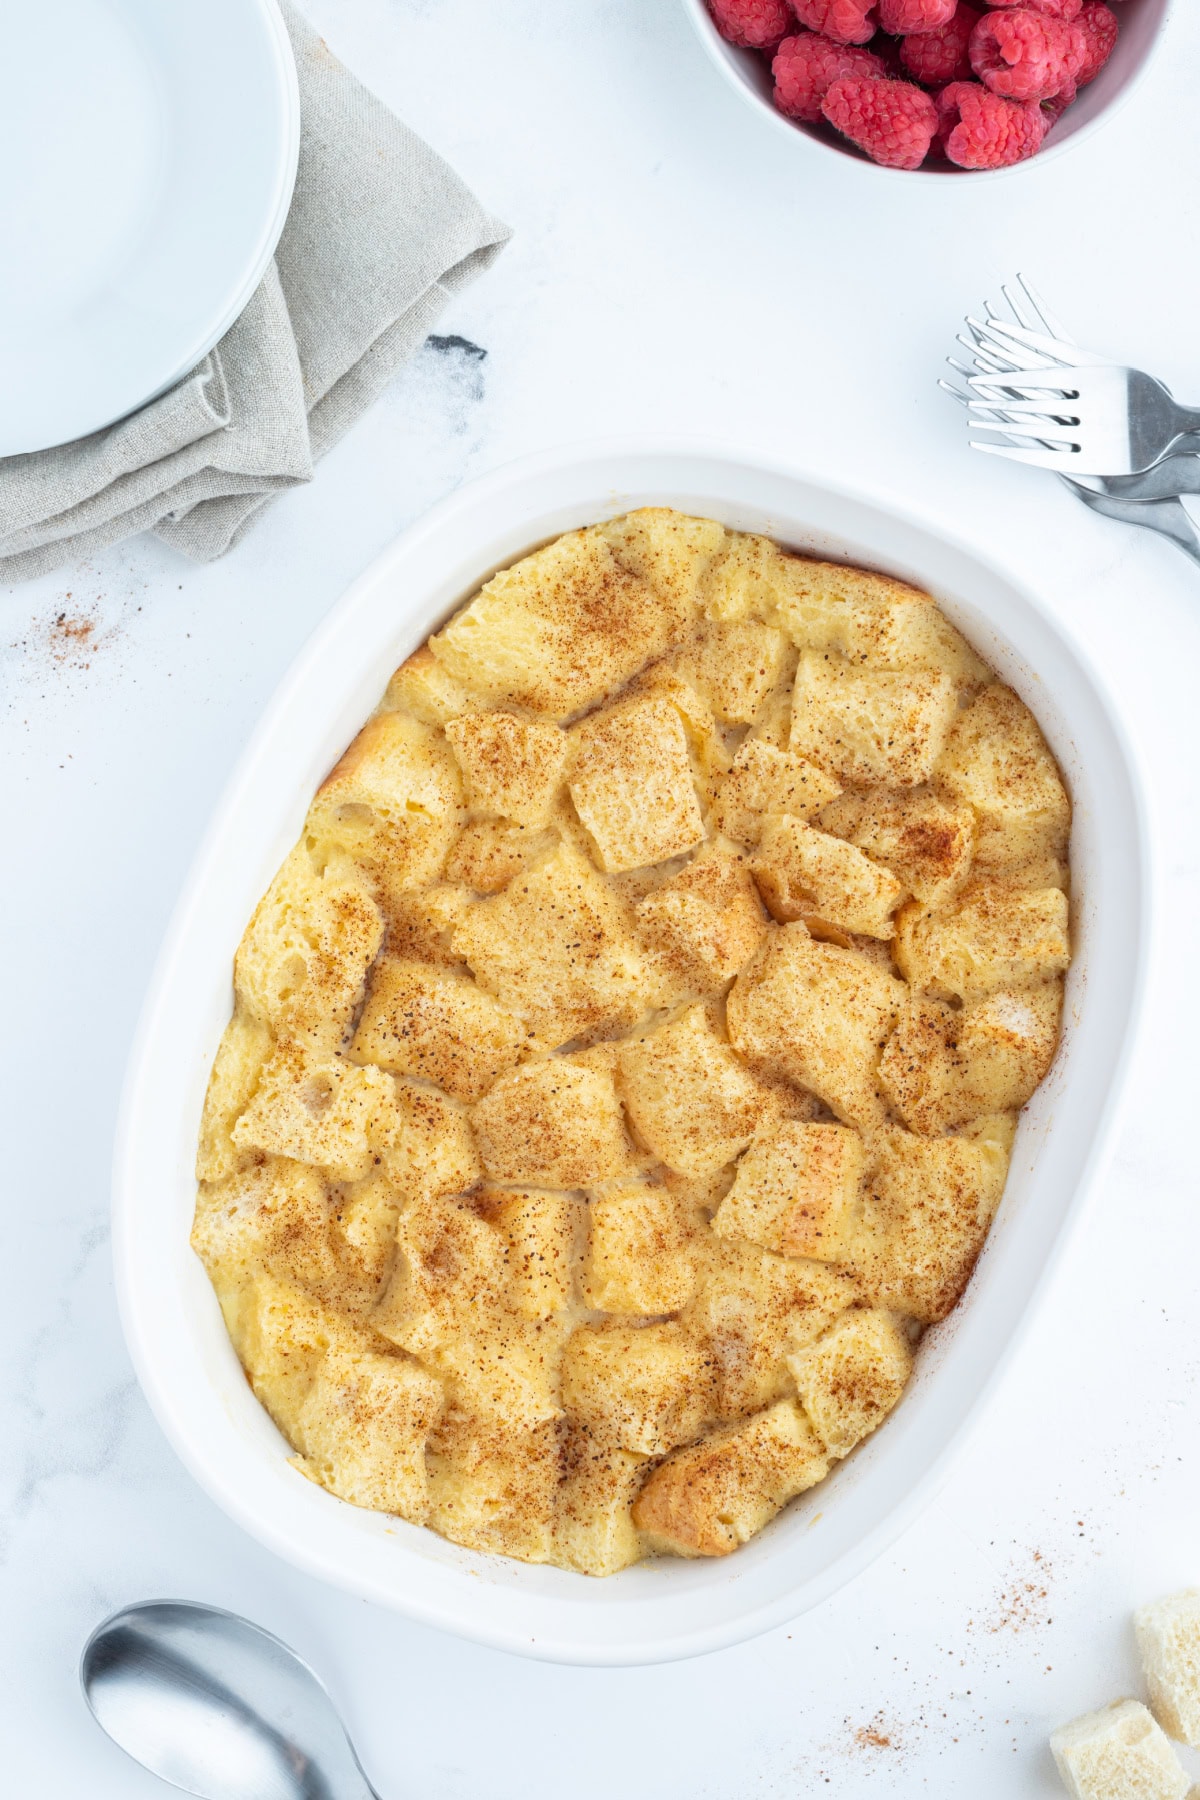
point(674, 269)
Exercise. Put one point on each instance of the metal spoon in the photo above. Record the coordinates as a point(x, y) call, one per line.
point(217, 1706)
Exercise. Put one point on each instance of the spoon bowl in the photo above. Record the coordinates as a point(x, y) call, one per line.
point(217, 1706)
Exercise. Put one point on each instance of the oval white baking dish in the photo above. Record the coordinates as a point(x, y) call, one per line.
point(191, 1377)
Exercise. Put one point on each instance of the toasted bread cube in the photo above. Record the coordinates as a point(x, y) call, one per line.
point(997, 762)
point(930, 1203)
point(737, 664)
point(755, 1309)
point(1118, 1753)
point(870, 726)
point(663, 682)
point(419, 925)
point(553, 1123)
point(363, 1426)
point(425, 688)
point(991, 937)
point(557, 947)
point(764, 780)
point(670, 550)
point(817, 1015)
point(706, 922)
point(796, 1191)
point(920, 1072)
point(393, 803)
point(874, 619)
point(544, 1231)
point(852, 1377)
point(644, 1250)
point(926, 844)
point(320, 1110)
point(803, 873)
point(431, 1149)
point(557, 631)
point(1168, 1640)
point(236, 1070)
point(437, 1024)
point(489, 853)
point(631, 782)
point(690, 1101)
point(643, 1387)
point(494, 1485)
point(302, 962)
point(707, 1500)
point(749, 580)
point(594, 1530)
point(512, 767)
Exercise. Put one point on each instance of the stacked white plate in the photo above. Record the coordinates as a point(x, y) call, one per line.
point(148, 153)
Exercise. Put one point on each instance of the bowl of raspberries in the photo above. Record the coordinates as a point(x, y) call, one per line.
point(943, 86)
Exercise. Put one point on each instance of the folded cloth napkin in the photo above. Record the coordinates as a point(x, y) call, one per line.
point(380, 234)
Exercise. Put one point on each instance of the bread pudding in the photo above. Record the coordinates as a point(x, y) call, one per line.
point(624, 1064)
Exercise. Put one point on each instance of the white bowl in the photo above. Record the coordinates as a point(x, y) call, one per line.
point(189, 1372)
point(157, 149)
point(1143, 26)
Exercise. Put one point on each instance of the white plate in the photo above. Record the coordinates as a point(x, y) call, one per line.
point(149, 153)
point(183, 1357)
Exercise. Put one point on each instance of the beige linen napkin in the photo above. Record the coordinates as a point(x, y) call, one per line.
point(380, 234)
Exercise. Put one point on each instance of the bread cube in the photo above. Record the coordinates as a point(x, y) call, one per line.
point(419, 925)
point(706, 1500)
point(710, 758)
point(423, 687)
point(393, 803)
point(871, 726)
point(236, 1069)
point(804, 873)
point(493, 1485)
point(431, 1149)
point(764, 780)
point(594, 1530)
point(852, 1377)
point(282, 1336)
point(558, 631)
point(749, 580)
point(670, 550)
point(924, 842)
point(1118, 1753)
point(631, 783)
point(920, 1072)
point(303, 959)
point(817, 1015)
point(644, 1388)
point(991, 937)
point(489, 853)
point(319, 1110)
point(364, 1227)
point(644, 1252)
point(689, 1100)
point(755, 1310)
point(553, 1123)
point(511, 766)
point(362, 1428)
point(930, 1203)
point(796, 1191)
point(545, 1233)
point(874, 619)
point(705, 923)
point(997, 762)
point(557, 947)
point(437, 1024)
point(1006, 1044)
point(1168, 1639)
point(737, 664)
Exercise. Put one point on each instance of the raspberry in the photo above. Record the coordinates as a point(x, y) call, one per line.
point(1098, 23)
point(893, 121)
point(845, 21)
point(904, 16)
point(755, 24)
point(937, 56)
point(980, 130)
point(1054, 9)
point(1024, 55)
point(806, 66)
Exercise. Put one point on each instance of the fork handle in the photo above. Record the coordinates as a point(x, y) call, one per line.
point(1171, 519)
